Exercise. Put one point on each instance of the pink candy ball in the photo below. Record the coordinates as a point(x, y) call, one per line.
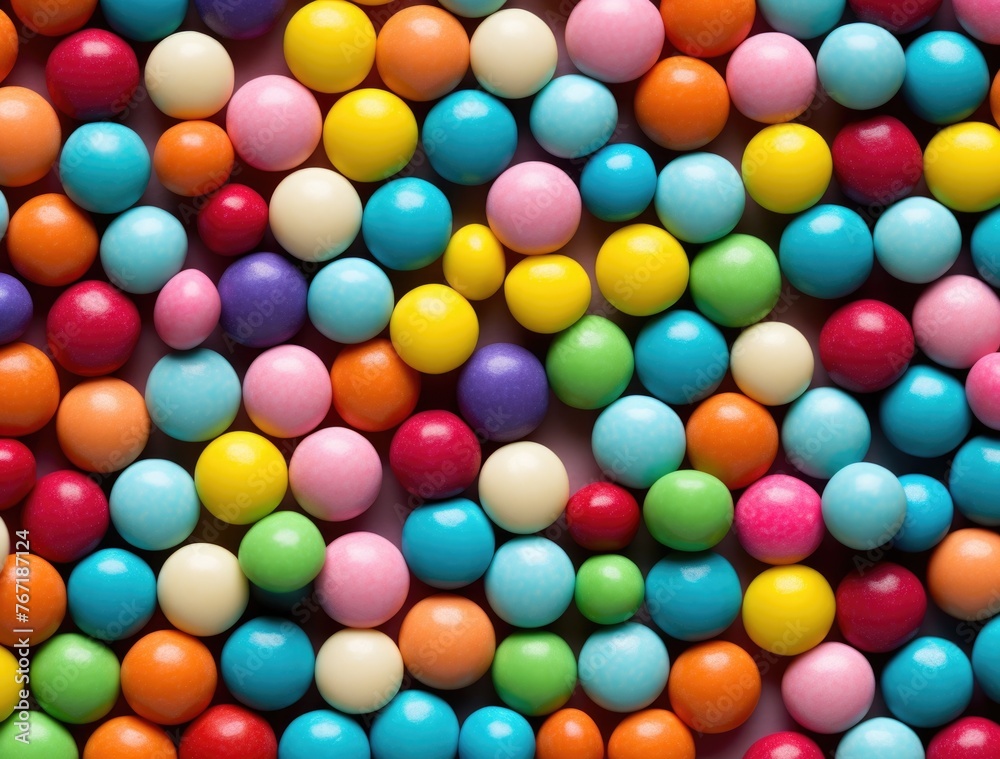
point(771, 78)
point(187, 310)
point(274, 123)
point(779, 520)
point(828, 689)
point(982, 390)
point(287, 391)
point(335, 474)
point(66, 515)
point(980, 18)
point(957, 321)
point(364, 581)
point(614, 40)
point(534, 208)
point(784, 745)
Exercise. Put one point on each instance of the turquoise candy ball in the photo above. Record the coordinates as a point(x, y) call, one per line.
point(618, 182)
point(193, 396)
point(350, 300)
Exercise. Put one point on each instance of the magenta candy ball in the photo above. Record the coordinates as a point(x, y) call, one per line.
point(17, 472)
point(234, 221)
point(187, 310)
point(957, 321)
point(335, 474)
point(534, 207)
point(982, 390)
point(434, 454)
point(784, 745)
point(66, 515)
point(614, 40)
point(980, 18)
point(966, 738)
point(771, 78)
point(287, 391)
point(364, 581)
point(828, 689)
point(274, 123)
point(779, 520)
point(92, 75)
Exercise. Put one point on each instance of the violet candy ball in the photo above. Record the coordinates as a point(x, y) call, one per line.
point(16, 308)
point(503, 392)
point(240, 19)
point(263, 300)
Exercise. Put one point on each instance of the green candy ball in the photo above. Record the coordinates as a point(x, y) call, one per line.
point(688, 510)
point(75, 679)
point(534, 673)
point(43, 738)
point(590, 364)
point(282, 552)
point(609, 589)
point(736, 281)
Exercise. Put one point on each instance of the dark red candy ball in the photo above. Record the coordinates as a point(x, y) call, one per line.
point(602, 517)
point(434, 454)
point(785, 745)
point(877, 161)
point(67, 516)
point(229, 732)
point(967, 738)
point(92, 328)
point(92, 75)
point(899, 17)
point(880, 608)
point(233, 221)
point(17, 472)
point(866, 346)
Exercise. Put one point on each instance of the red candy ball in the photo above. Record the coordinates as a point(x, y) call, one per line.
point(784, 745)
point(229, 732)
point(967, 738)
point(434, 454)
point(17, 472)
point(92, 328)
point(880, 608)
point(602, 517)
point(898, 17)
point(67, 516)
point(866, 346)
point(877, 161)
point(233, 221)
point(92, 75)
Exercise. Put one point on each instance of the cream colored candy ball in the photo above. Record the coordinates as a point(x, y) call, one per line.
point(513, 53)
point(315, 214)
point(202, 589)
point(523, 487)
point(359, 671)
point(189, 75)
point(772, 362)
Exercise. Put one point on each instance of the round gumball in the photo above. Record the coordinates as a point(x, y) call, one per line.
point(733, 438)
point(29, 136)
point(623, 668)
point(51, 241)
point(590, 364)
point(513, 34)
point(693, 596)
point(787, 167)
point(67, 516)
point(233, 221)
point(982, 385)
point(804, 20)
point(925, 414)
point(614, 40)
point(880, 607)
point(434, 454)
point(960, 166)
point(154, 504)
point(784, 744)
point(503, 392)
point(736, 281)
point(104, 167)
point(979, 19)
point(358, 671)
point(263, 300)
point(609, 589)
point(320, 731)
point(534, 207)
point(877, 161)
point(688, 510)
point(572, 116)
point(364, 581)
point(530, 582)
point(16, 308)
point(929, 511)
point(547, 293)
point(469, 137)
point(67, 17)
point(986, 660)
point(434, 329)
point(702, 691)
point(373, 388)
point(964, 573)
point(447, 642)
point(268, 663)
point(985, 243)
point(287, 391)
point(92, 329)
point(699, 197)
point(618, 182)
point(494, 729)
point(350, 300)
point(864, 506)
point(315, 214)
point(707, 29)
point(335, 474)
point(641, 270)
point(17, 472)
point(898, 19)
point(262, 142)
point(649, 733)
point(168, 677)
point(681, 357)
point(202, 590)
point(144, 20)
point(866, 346)
point(861, 66)
point(780, 60)
point(241, 477)
point(602, 517)
point(142, 249)
point(240, 19)
point(917, 240)
point(828, 689)
point(129, 738)
point(682, 103)
point(759, 350)
point(406, 224)
point(48, 599)
point(422, 52)
point(92, 75)
point(523, 487)
point(330, 45)
point(957, 321)
point(415, 725)
point(193, 396)
point(779, 520)
point(187, 310)
point(49, 738)
point(112, 594)
point(282, 552)
point(788, 610)
point(226, 731)
point(91, 691)
point(534, 673)
point(31, 389)
point(827, 252)
point(369, 134)
point(944, 668)
point(102, 425)
point(636, 440)
point(824, 431)
point(946, 77)
point(449, 544)
point(193, 158)
point(966, 738)
point(8, 46)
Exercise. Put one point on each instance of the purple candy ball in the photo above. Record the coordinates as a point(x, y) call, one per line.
point(503, 392)
point(263, 300)
point(240, 19)
point(16, 309)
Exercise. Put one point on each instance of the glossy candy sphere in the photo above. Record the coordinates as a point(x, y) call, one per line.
point(618, 182)
point(779, 520)
point(193, 396)
point(877, 161)
point(883, 737)
point(263, 300)
point(129, 738)
point(233, 221)
point(534, 673)
point(422, 53)
point(981, 390)
point(827, 252)
point(168, 677)
point(693, 596)
point(143, 249)
point(434, 329)
point(866, 346)
point(202, 589)
point(30, 133)
point(104, 167)
point(54, 22)
point(193, 158)
point(187, 310)
point(651, 732)
point(350, 300)
point(373, 388)
point(880, 607)
point(241, 477)
point(701, 687)
point(364, 581)
point(861, 66)
point(48, 607)
point(774, 59)
point(146, 20)
point(282, 552)
point(503, 392)
point(641, 270)
point(972, 479)
point(946, 77)
point(16, 308)
point(513, 35)
point(925, 414)
point(241, 19)
point(756, 353)
point(17, 472)
point(917, 240)
point(699, 197)
point(707, 29)
point(573, 116)
point(609, 589)
point(287, 391)
point(323, 730)
point(964, 573)
point(369, 134)
point(602, 517)
point(285, 669)
point(978, 18)
point(736, 281)
point(92, 690)
point(682, 103)
point(787, 167)
point(49, 739)
point(92, 328)
point(51, 241)
point(808, 696)
point(474, 263)
point(315, 214)
point(8, 46)
point(448, 544)
point(782, 745)
point(530, 582)
point(189, 75)
point(966, 738)
point(623, 668)
point(986, 661)
point(434, 454)
point(31, 387)
point(804, 20)
point(960, 165)
point(863, 506)
point(251, 128)
point(681, 357)
point(469, 137)
point(92, 75)
point(547, 293)
point(638, 439)
point(956, 321)
point(948, 674)
point(226, 731)
point(67, 516)
point(112, 594)
point(614, 40)
point(590, 364)
point(898, 19)
point(102, 425)
point(358, 671)
point(473, 8)
point(447, 642)
point(733, 438)
point(335, 474)
point(688, 510)
point(154, 504)
point(824, 431)
point(330, 45)
point(415, 725)
point(495, 728)
point(788, 610)
point(534, 207)
point(929, 511)
point(407, 224)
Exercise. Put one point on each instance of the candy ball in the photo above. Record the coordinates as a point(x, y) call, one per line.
point(320, 731)
point(957, 321)
point(693, 596)
point(193, 396)
point(773, 58)
point(447, 642)
point(422, 53)
point(964, 573)
point(779, 520)
point(92, 75)
point(984, 244)
point(688, 510)
point(168, 677)
point(282, 552)
point(142, 249)
point(733, 438)
point(523, 487)
point(202, 589)
point(787, 167)
point(827, 252)
point(804, 20)
point(534, 207)
point(898, 19)
point(866, 346)
point(335, 474)
point(17, 472)
point(682, 103)
point(877, 161)
point(154, 504)
point(146, 20)
point(469, 137)
point(979, 20)
point(67, 516)
point(618, 182)
point(863, 506)
point(547, 293)
point(788, 610)
point(917, 240)
point(946, 77)
point(225, 731)
point(602, 517)
point(614, 40)
point(503, 392)
point(808, 696)
point(129, 738)
point(92, 329)
point(925, 414)
point(960, 165)
point(494, 729)
point(50, 241)
point(241, 477)
point(434, 329)
point(530, 582)
point(944, 668)
point(534, 673)
point(707, 29)
point(876, 737)
point(415, 725)
point(681, 357)
point(268, 143)
point(31, 389)
point(756, 353)
point(30, 136)
point(350, 300)
point(263, 300)
point(434, 454)
point(315, 214)
point(369, 134)
point(929, 511)
point(187, 310)
point(972, 478)
point(364, 581)
point(373, 388)
point(590, 364)
point(193, 158)
point(736, 281)
point(267, 663)
point(648, 733)
point(985, 660)
point(641, 270)
point(714, 687)
point(287, 391)
point(48, 601)
point(330, 45)
point(777, 745)
point(240, 19)
point(8, 48)
point(609, 589)
point(104, 167)
point(102, 425)
point(233, 221)
point(824, 431)
point(509, 35)
point(880, 607)
point(358, 671)
point(89, 692)
point(637, 439)
point(112, 594)
point(407, 224)
point(699, 197)
point(16, 308)
point(623, 668)
point(967, 738)
point(572, 116)
point(449, 544)
point(861, 66)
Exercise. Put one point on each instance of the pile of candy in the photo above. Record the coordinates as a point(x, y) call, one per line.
point(258, 498)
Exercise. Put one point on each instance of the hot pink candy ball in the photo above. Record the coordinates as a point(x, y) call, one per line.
point(434, 454)
point(966, 738)
point(17, 472)
point(828, 689)
point(274, 123)
point(980, 18)
point(614, 40)
point(335, 474)
point(771, 78)
point(957, 321)
point(534, 207)
point(784, 745)
point(982, 390)
point(287, 391)
point(779, 520)
point(187, 310)
point(364, 581)
point(92, 75)
point(233, 221)
point(67, 516)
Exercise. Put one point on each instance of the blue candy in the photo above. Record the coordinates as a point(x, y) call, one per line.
point(618, 182)
point(864, 506)
point(268, 663)
point(350, 300)
point(469, 137)
point(693, 596)
point(104, 167)
point(681, 357)
point(624, 668)
point(530, 582)
point(495, 731)
point(407, 224)
point(929, 511)
point(193, 396)
point(573, 116)
point(928, 682)
point(925, 413)
point(946, 77)
point(448, 544)
point(699, 197)
point(827, 252)
point(143, 248)
point(111, 594)
point(415, 725)
point(637, 439)
point(825, 430)
point(154, 504)
point(323, 733)
point(974, 480)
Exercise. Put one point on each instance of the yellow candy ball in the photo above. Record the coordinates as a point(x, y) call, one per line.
point(962, 166)
point(330, 45)
point(642, 270)
point(788, 610)
point(10, 688)
point(434, 329)
point(474, 262)
point(787, 167)
point(241, 477)
point(547, 293)
point(369, 135)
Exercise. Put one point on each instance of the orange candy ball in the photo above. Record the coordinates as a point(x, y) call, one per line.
point(422, 52)
point(447, 642)
point(707, 28)
point(46, 606)
point(569, 734)
point(963, 575)
point(733, 438)
point(129, 738)
point(714, 687)
point(54, 19)
point(653, 732)
point(8, 45)
point(193, 158)
point(373, 389)
point(102, 425)
point(682, 103)
point(30, 136)
point(30, 393)
point(51, 241)
point(169, 677)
